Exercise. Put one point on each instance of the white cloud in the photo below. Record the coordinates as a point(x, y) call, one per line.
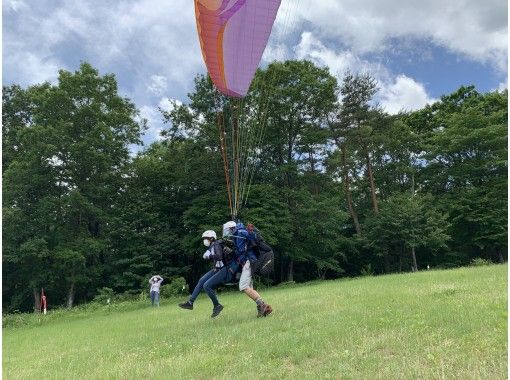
point(28, 68)
point(154, 117)
point(395, 93)
point(168, 105)
point(154, 122)
point(144, 37)
point(13, 5)
point(403, 94)
point(338, 61)
point(158, 84)
point(503, 85)
point(473, 28)
point(275, 52)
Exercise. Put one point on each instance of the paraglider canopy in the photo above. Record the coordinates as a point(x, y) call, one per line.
point(233, 35)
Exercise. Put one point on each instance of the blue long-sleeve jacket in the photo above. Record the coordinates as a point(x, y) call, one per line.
point(241, 238)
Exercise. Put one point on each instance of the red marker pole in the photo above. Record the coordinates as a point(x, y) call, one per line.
point(43, 301)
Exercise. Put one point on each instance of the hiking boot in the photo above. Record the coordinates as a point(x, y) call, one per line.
point(263, 310)
point(186, 305)
point(267, 310)
point(216, 310)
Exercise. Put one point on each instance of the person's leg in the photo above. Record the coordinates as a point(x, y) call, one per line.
point(198, 288)
point(200, 285)
point(156, 298)
point(212, 283)
point(246, 282)
point(246, 286)
point(252, 293)
point(219, 278)
point(263, 309)
point(152, 297)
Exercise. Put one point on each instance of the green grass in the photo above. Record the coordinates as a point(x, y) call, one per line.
point(448, 324)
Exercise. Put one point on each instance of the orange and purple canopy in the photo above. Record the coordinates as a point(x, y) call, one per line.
point(233, 35)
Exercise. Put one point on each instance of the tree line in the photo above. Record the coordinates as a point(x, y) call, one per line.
point(338, 188)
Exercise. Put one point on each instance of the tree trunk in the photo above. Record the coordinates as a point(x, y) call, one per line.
point(289, 160)
point(347, 187)
point(415, 265)
point(290, 275)
point(500, 257)
point(70, 296)
point(386, 258)
point(312, 169)
point(282, 269)
point(372, 184)
point(401, 258)
point(37, 301)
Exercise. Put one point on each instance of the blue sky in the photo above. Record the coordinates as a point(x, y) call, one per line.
point(417, 50)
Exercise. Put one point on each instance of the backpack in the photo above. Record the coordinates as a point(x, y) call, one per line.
point(265, 256)
point(258, 245)
point(228, 254)
point(264, 264)
point(222, 252)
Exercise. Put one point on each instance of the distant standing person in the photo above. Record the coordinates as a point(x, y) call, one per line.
point(155, 283)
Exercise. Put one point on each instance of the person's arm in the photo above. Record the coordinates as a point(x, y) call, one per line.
point(207, 255)
point(217, 252)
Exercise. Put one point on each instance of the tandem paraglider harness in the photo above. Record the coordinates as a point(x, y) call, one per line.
point(264, 263)
point(264, 266)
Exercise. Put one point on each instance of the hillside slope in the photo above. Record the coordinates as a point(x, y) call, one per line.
point(432, 324)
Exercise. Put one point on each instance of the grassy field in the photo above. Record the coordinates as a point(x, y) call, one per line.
point(449, 324)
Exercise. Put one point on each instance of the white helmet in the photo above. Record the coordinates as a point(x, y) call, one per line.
point(230, 224)
point(209, 234)
point(227, 228)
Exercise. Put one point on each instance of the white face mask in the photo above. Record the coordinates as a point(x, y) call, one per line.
point(228, 232)
point(207, 242)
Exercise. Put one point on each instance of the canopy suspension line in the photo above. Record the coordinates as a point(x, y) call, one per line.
point(223, 151)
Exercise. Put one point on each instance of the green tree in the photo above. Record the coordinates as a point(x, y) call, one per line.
point(359, 130)
point(301, 98)
point(465, 168)
point(72, 143)
point(358, 122)
point(406, 223)
point(16, 115)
